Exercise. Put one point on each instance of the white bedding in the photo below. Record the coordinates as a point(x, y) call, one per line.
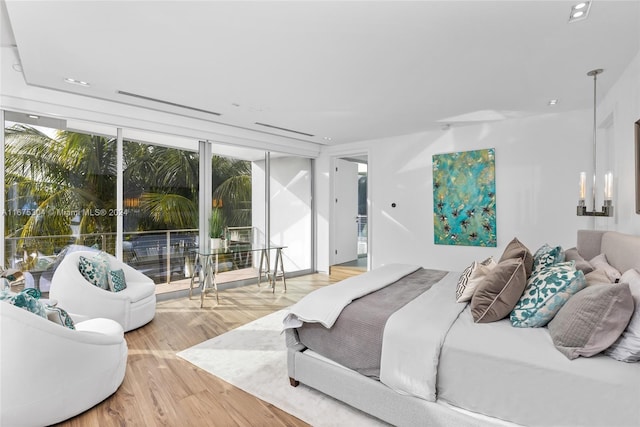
point(324, 305)
point(421, 326)
point(518, 375)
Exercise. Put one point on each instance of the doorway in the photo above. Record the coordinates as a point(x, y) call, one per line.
point(350, 254)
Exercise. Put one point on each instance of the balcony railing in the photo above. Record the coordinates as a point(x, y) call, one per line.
point(162, 255)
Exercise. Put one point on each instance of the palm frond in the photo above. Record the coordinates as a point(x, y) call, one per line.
point(170, 210)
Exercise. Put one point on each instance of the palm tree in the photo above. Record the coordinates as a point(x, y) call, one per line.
point(71, 177)
point(232, 185)
point(66, 177)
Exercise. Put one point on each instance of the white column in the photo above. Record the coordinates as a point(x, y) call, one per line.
point(204, 206)
point(119, 193)
point(2, 201)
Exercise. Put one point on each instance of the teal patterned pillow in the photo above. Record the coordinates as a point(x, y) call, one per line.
point(546, 292)
point(117, 281)
point(547, 256)
point(28, 299)
point(60, 316)
point(95, 271)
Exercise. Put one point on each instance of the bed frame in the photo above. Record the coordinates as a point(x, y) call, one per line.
point(376, 399)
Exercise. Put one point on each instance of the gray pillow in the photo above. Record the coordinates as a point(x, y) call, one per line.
point(597, 277)
point(592, 320)
point(581, 263)
point(627, 347)
point(515, 249)
point(600, 262)
point(499, 291)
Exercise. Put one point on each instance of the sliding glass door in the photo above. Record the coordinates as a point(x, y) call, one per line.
point(61, 189)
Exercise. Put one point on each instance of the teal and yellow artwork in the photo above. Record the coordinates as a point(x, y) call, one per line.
point(464, 198)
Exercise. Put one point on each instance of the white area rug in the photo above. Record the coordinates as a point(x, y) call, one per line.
point(253, 358)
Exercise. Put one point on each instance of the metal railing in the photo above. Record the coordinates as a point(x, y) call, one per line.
point(160, 254)
point(157, 253)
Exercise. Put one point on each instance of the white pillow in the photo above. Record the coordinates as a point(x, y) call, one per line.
point(600, 263)
point(471, 277)
point(627, 347)
point(597, 277)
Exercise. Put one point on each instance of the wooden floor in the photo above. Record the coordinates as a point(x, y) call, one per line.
point(348, 269)
point(161, 389)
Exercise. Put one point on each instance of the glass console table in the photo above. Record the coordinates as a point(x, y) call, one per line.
point(206, 265)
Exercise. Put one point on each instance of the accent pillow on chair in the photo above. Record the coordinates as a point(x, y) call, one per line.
point(95, 270)
point(117, 281)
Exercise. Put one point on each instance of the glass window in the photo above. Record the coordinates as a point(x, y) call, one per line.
point(60, 189)
point(160, 210)
point(231, 224)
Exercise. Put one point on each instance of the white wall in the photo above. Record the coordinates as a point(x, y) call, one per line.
point(538, 160)
point(621, 105)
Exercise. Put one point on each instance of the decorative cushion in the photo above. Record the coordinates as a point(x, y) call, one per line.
point(27, 299)
point(59, 316)
point(582, 264)
point(499, 291)
point(117, 281)
point(627, 346)
point(597, 277)
point(515, 249)
point(592, 320)
point(95, 270)
point(546, 292)
point(546, 256)
point(471, 277)
point(600, 263)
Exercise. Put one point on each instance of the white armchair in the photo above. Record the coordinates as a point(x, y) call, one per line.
point(132, 307)
point(49, 373)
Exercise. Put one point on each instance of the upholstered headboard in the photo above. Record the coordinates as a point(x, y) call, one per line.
point(622, 250)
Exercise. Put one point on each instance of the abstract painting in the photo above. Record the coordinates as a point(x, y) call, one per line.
point(464, 198)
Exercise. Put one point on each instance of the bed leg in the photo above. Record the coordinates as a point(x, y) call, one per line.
point(293, 382)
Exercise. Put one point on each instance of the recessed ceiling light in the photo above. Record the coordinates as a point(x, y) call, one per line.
point(553, 101)
point(579, 11)
point(327, 138)
point(33, 116)
point(76, 82)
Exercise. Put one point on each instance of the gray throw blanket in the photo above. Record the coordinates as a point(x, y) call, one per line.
point(355, 339)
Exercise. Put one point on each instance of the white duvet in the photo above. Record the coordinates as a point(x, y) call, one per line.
point(421, 325)
point(413, 338)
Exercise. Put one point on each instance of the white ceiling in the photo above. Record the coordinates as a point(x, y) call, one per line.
point(346, 70)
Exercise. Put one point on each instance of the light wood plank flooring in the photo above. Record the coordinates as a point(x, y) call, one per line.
point(161, 389)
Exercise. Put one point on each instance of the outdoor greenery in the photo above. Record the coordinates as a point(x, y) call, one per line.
point(216, 223)
point(69, 179)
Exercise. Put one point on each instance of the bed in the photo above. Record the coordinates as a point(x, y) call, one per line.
point(433, 364)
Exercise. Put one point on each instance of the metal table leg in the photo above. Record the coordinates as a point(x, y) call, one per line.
point(197, 270)
point(264, 259)
point(278, 266)
point(210, 281)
